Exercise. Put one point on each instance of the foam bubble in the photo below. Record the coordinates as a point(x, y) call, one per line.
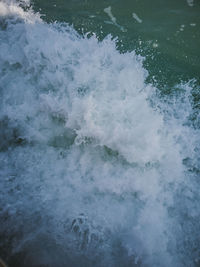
point(190, 3)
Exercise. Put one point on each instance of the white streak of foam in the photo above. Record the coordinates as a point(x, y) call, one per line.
point(135, 16)
point(108, 11)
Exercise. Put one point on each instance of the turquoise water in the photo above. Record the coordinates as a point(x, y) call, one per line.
point(99, 133)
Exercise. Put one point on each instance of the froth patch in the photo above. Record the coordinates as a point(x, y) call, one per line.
point(11, 9)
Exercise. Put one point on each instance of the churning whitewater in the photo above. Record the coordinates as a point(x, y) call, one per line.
point(97, 167)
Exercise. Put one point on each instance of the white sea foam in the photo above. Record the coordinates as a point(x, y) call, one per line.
point(135, 16)
point(90, 156)
point(11, 9)
point(108, 11)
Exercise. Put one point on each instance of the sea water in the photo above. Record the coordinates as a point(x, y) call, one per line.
point(99, 136)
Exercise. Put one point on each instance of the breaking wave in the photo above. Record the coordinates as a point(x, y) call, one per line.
point(97, 167)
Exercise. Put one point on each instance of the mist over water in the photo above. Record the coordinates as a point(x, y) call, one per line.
point(98, 166)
